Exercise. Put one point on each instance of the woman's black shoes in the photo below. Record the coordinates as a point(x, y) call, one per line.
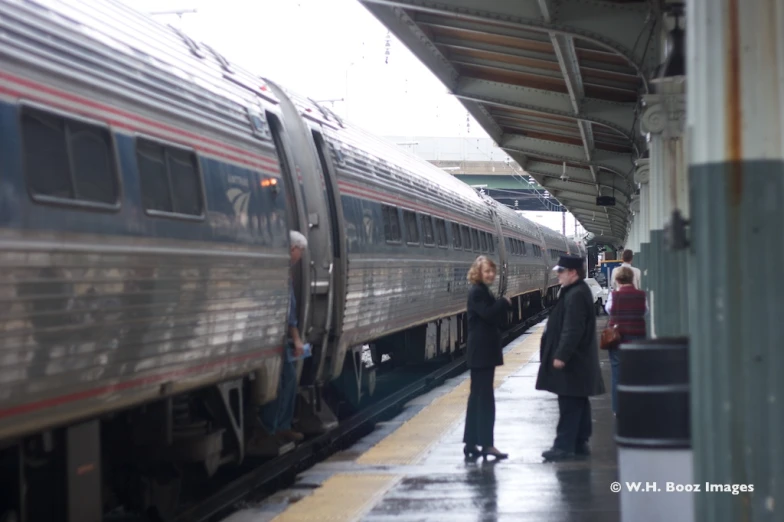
point(471, 452)
point(492, 452)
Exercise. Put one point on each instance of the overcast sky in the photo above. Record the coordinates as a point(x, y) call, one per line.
point(327, 49)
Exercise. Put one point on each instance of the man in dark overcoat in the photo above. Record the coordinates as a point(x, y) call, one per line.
point(569, 355)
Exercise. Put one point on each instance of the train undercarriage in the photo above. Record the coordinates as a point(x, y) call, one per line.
point(151, 460)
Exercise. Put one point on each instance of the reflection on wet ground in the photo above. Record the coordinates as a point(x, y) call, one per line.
point(523, 488)
point(412, 469)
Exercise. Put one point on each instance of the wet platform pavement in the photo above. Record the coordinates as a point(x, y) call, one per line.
point(412, 468)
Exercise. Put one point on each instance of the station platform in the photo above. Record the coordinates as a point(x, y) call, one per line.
point(412, 468)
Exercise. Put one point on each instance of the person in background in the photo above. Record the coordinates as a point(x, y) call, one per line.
point(276, 416)
point(626, 308)
point(627, 257)
point(569, 355)
point(485, 316)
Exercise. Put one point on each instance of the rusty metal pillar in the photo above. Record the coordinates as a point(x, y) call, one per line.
point(735, 108)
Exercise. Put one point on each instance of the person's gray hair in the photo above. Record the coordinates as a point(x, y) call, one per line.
point(297, 240)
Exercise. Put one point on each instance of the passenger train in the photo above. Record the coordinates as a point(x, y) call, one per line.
point(147, 187)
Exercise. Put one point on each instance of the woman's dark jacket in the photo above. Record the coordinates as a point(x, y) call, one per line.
point(486, 315)
point(571, 337)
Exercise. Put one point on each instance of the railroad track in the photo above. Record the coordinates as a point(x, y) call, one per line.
point(266, 478)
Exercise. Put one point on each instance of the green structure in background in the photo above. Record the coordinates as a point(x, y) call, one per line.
point(502, 182)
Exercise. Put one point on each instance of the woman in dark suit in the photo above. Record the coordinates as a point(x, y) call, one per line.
point(485, 315)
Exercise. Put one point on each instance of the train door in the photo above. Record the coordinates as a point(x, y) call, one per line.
point(334, 319)
point(296, 215)
point(307, 122)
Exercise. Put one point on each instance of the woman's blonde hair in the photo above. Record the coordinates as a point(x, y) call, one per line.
point(475, 273)
point(625, 276)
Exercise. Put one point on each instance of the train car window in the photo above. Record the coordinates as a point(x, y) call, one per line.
point(427, 231)
point(524, 248)
point(466, 237)
point(475, 236)
point(169, 178)
point(516, 246)
point(456, 239)
point(412, 231)
point(66, 159)
point(483, 239)
point(491, 243)
point(441, 233)
point(392, 231)
point(184, 173)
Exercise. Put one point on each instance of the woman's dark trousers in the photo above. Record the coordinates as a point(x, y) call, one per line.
point(480, 415)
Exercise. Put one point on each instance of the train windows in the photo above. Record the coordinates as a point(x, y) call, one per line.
point(391, 224)
point(491, 243)
point(412, 231)
point(483, 239)
point(456, 241)
point(428, 234)
point(466, 237)
point(441, 233)
point(523, 247)
point(169, 178)
point(475, 237)
point(516, 243)
point(68, 159)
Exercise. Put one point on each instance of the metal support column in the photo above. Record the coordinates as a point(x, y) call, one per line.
point(664, 119)
point(642, 178)
point(736, 104)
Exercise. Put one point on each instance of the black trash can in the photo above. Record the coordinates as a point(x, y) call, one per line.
point(654, 432)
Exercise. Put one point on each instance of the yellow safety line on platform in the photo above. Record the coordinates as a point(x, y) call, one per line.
point(411, 441)
point(341, 498)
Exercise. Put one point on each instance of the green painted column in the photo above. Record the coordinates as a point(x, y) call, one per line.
point(664, 119)
point(736, 289)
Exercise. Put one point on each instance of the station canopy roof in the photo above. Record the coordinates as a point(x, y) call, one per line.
point(555, 83)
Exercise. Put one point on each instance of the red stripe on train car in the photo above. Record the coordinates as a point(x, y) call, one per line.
point(31, 407)
point(215, 147)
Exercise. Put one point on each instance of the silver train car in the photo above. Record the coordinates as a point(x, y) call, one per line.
point(148, 186)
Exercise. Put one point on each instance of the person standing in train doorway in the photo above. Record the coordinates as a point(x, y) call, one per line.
point(569, 355)
point(276, 416)
point(485, 317)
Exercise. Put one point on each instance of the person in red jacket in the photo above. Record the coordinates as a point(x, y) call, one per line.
point(627, 308)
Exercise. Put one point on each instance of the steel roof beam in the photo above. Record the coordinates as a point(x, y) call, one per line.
point(619, 212)
point(570, 68)
point(622, 28)
point(547, 171)
point(530, 44)
point(554, 184)
point(618, 116)
point(614, 214)
point(621, 164)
